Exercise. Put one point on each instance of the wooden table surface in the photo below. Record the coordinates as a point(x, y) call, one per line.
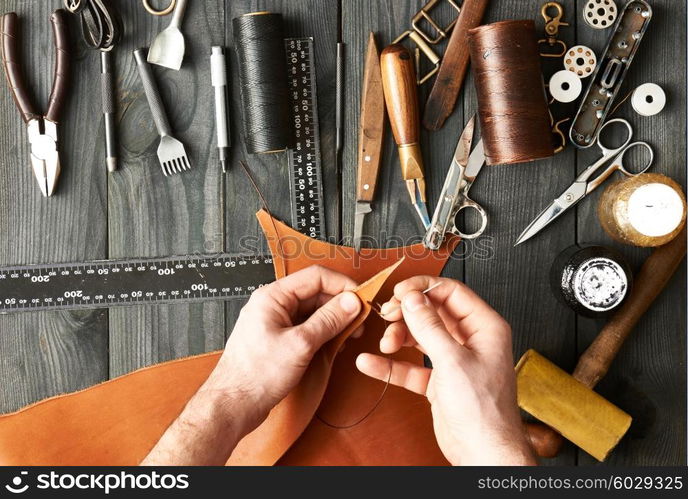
point(138, 212)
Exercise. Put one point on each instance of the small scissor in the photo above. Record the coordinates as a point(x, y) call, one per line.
point(454, 197)
point(585, 183)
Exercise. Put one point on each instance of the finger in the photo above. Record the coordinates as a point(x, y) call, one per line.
point(306, 307)
point(456, 301)
point(311, 281)
point(391, 310)
point(358, 332)
point(404, 374)
point(330, 319)
point(396, 335)
point(427, 327)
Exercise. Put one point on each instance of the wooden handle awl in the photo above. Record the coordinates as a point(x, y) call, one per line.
point(449, 80)
point(399, 83)
point(653, 277)
point(401, 97)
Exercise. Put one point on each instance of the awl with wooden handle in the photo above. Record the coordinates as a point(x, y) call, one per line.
point(656, 272)
point(370, 138)
point(399, 84)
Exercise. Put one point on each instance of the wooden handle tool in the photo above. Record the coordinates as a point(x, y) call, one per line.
point(372, 126)
point(656, 272)
point(449, 80)
point(401, 97)
point(370, 138)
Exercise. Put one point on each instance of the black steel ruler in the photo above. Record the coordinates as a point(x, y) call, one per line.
point(305, 168)
point(108, 283)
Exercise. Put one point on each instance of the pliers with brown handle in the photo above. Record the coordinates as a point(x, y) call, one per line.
point(42, 129)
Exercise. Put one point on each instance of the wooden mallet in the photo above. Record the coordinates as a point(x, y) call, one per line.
point(567, 404)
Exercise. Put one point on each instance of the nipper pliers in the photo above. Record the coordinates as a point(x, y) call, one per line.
point(42, 129)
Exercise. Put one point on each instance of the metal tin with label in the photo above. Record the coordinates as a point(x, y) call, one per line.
point(592, 280)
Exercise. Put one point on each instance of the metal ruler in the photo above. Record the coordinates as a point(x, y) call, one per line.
point(305, 169)
point(108, 283)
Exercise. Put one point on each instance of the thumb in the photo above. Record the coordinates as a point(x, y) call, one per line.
point(330, 319)
point(426, 326)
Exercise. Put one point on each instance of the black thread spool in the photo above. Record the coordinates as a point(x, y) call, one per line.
point(259, 45)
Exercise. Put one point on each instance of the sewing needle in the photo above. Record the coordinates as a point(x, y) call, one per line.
point(425, 292)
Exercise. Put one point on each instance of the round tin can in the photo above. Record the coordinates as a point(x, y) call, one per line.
point(592, 280)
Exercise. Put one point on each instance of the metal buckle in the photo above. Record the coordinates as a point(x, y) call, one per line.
point(423, 40)
point(422, 46)
point(424, 13)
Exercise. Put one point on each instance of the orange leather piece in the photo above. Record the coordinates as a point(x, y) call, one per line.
point(118, 422)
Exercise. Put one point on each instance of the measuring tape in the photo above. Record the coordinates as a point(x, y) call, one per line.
point(109, 283)
point(305, 171)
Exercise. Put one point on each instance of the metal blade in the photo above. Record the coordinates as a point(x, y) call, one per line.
point(362, 209)
point(39, 172)
point(475, 161)
point(422, 210)
point(463, 148)
point(548, 215)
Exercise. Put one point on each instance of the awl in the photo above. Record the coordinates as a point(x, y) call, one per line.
point(370, 138)
point(399, 83)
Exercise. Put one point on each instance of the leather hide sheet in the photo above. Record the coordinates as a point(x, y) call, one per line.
point(117, 422)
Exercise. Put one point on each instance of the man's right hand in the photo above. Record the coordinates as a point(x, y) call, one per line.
point(471, 387)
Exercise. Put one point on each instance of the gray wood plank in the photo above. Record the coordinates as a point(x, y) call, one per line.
point(515, 280)
point(151, 215)
point(308, 18)
point(648, 378)
point(47, 353)
point(393, 221)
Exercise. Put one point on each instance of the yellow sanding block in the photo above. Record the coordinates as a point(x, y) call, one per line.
point(556, 398)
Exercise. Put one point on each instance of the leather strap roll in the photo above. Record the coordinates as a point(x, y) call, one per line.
point(445, 90)
point(13, 68)
point(512, 104)
point(58, 94)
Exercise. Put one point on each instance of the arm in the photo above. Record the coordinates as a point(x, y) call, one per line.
point(277, 333)
point(471, 387)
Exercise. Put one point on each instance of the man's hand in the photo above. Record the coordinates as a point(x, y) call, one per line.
point(278, 331)
point(471, 386)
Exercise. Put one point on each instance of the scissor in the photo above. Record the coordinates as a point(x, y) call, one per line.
point(587, 181)
point(454, 197)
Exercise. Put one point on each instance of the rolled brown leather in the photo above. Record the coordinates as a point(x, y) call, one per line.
point(512, 105)
point(449, 79)
point(119, 421)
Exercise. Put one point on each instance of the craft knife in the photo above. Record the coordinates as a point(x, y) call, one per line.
point(370, 138)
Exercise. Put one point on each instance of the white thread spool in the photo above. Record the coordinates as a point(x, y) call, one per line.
point(565, 86)
point(648, 99)
point(580, 60)
point(646, 210)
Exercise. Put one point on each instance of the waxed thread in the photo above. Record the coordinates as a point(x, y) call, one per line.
point(511, 99)
point(259, 45)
